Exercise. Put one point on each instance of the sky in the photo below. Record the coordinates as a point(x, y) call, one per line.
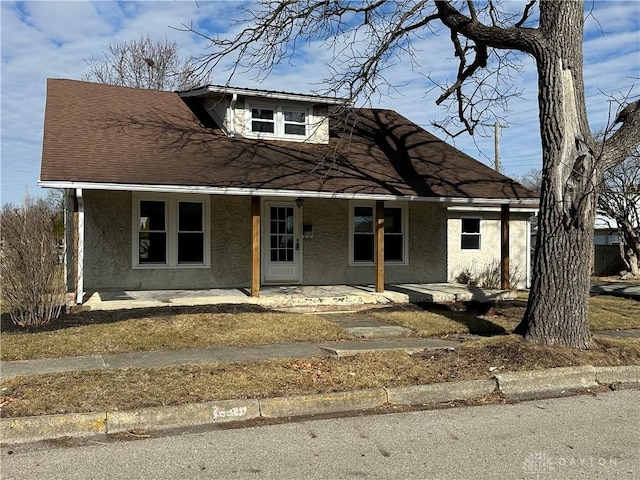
point(53, 39)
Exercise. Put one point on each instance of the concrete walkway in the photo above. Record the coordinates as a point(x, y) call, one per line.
point(617, 289)
point(297, 297)
point(217, 355)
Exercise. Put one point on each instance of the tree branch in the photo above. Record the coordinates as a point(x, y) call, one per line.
point(518, 38)
point(625, 140)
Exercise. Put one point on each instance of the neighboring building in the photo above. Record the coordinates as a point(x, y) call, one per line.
point(605, 231)
point(224, 187)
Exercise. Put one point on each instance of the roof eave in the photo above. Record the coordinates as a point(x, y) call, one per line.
point(262, 192)
point(293, 97)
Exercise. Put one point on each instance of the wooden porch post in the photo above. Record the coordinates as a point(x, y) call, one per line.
point(255, 246)
point(504, 247)
point(380, 246)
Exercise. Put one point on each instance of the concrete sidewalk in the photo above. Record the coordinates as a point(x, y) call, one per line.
point(217, 355)
point(617, 289)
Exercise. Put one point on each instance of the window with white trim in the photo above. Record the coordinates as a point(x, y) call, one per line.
point(362, 234)
point(263, 120)
point(276, 121)
point(470, 234)
point(170, 231)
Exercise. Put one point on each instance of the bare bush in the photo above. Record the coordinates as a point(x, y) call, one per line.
point(31, 272)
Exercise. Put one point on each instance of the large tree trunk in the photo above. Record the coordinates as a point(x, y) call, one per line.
point(557, 312)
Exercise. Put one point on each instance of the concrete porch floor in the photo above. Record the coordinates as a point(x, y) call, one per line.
point(297, 297)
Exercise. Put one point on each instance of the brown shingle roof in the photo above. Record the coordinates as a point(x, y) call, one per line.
point(106, 134)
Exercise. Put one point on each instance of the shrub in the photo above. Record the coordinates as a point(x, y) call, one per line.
point(31, 277)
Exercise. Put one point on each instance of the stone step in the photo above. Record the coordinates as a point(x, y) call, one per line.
point(378, 331)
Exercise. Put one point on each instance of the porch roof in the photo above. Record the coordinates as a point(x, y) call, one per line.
point(102, 136)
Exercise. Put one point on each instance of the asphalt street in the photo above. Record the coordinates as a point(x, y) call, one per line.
point(581, 437)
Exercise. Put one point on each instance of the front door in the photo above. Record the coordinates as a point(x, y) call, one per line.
point(281, 243)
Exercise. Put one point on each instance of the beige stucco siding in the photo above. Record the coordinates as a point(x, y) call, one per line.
point(481, 262)
point(430, 230)
point(108, 247)
point(326, 255)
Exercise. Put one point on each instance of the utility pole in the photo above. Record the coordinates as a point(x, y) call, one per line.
point(496, 143)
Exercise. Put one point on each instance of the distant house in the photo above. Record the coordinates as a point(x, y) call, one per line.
point(224, 187)
point(605, 231)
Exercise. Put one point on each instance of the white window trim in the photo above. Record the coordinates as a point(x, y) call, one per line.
point(171, 201)
point(279, 123)
point(405, 233)
point(462, 234)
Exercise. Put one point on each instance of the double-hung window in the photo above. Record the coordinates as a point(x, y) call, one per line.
point(170, 231)
point(274, 121)
point(263, 120)
point(470, 236)
point(362, 237)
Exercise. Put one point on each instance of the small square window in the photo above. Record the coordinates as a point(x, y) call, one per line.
point(295, 123)
point(263, 120)
point(470, 237)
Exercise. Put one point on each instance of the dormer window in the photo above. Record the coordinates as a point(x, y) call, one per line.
point(276, 121)
point(295, 122)
point(263, 120)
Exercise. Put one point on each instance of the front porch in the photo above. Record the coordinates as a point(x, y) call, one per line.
point(298, 297)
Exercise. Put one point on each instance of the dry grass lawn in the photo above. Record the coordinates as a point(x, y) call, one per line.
point(166, 329)
point(605, 313)
point(135, 388)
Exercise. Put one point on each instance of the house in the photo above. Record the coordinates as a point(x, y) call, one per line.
point(222, 187)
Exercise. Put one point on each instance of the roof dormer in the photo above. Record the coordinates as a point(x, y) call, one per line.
point(267, 115)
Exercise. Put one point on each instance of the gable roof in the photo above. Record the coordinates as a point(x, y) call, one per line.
point(118, 137)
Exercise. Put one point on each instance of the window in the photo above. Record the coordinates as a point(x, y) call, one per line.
point(170, 231)
point(295, 122)
point(362, 237)
point(363, 234)
point(270, 121)
point(470, 237)
point(263, 120)
point(190, 232)
point(152, 236)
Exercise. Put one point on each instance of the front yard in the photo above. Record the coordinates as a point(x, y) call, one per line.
point(132, 388)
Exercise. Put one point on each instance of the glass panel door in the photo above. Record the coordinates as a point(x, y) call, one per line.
point(281, 244)
point(281, 234)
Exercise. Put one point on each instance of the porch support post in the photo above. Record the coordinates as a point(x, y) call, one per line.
point(80, 252)
point(379, 246)
point(504, 247)
point(255, 246)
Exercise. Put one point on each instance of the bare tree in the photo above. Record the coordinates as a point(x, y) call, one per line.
point(619, 199)
point(144, 63)
point(367, 37)
point(32, 274)
point(532, 179)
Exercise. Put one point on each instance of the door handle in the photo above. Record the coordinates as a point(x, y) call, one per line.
point(297, 244)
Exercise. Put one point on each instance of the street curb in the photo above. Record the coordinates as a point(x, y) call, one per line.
point(182, 415)
point(515, 386)
point(32, 429)
point(542, 383)
point(613, 375)
point(322, 403)
point(440, 392)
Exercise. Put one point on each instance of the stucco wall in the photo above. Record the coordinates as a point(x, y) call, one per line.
point(326, 256)
point(108, 244)
point(431, 230)
point(479, 262)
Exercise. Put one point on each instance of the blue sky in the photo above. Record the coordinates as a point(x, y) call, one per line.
point(41, 40)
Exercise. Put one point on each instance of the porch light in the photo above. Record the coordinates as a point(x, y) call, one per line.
point(299, 202)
